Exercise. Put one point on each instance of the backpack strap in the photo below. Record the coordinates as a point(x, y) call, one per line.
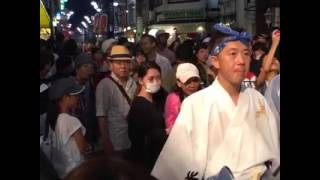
point(123, 92)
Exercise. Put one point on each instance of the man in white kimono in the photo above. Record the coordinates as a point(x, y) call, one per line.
point(224, 124)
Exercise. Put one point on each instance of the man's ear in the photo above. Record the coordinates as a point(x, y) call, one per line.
point(214, 61)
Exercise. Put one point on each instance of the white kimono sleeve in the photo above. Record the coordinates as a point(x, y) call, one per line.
point(177, 156)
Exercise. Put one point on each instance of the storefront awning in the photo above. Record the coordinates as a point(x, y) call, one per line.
point(44, 17)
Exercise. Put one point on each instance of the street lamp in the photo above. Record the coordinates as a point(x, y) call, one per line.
point(84, 24)
point(79, 30)
point(69, 14)
point(94, 4)
point(87, 19)
point(115, 4)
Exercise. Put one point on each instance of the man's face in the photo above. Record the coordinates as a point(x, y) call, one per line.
point(202, 55)
point(85, 71)
point(163, 38)
point(120, 68)
point(232, 63)
point(147, 45)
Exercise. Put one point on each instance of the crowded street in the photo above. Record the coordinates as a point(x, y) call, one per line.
point(168, 90)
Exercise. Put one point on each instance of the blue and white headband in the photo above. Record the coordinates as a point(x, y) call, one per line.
point(244, 37)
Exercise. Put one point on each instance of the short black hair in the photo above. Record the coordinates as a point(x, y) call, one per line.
point(63, 62)
point(185, 50)
point(143, 68)
point(122, 41)
point(151, 38)
point(201, 46)
point(138, 50)
point(70, 47)
point(259, 46)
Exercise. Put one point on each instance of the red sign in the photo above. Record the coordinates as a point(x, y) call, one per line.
point(100, 23)
point(96, 23)
point(103, 21)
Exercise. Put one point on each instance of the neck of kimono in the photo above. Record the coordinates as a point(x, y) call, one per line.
point(232, 89)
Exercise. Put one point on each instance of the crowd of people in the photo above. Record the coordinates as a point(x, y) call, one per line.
point(152, 110)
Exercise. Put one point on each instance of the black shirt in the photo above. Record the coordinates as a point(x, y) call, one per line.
point(44, 98)
point(256, 64)
point(146, 128)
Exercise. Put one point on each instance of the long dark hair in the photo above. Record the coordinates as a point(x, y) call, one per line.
point(53, 112)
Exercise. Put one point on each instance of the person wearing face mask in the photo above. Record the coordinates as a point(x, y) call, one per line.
point(146, 126)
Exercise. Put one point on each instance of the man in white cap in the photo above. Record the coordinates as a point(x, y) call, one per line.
point(162, 40)
point(223, 125)
point(114, 94)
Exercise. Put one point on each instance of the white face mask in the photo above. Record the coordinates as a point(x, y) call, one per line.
point(153, 87)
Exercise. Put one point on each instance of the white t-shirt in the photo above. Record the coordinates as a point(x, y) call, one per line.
point(65, 154)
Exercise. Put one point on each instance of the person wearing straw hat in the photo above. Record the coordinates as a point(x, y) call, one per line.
point(114, 94)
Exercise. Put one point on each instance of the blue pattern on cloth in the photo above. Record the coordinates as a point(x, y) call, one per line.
point(244, 37)
point(224, 174)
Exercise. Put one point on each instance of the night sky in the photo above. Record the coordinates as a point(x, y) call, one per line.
point(80, 8)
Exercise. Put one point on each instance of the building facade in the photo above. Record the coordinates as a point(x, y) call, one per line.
point(186, 18)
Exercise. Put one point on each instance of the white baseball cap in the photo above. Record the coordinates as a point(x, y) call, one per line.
point(106, 44)
point(206, 40)
point(161, 31)
point(185, 71)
